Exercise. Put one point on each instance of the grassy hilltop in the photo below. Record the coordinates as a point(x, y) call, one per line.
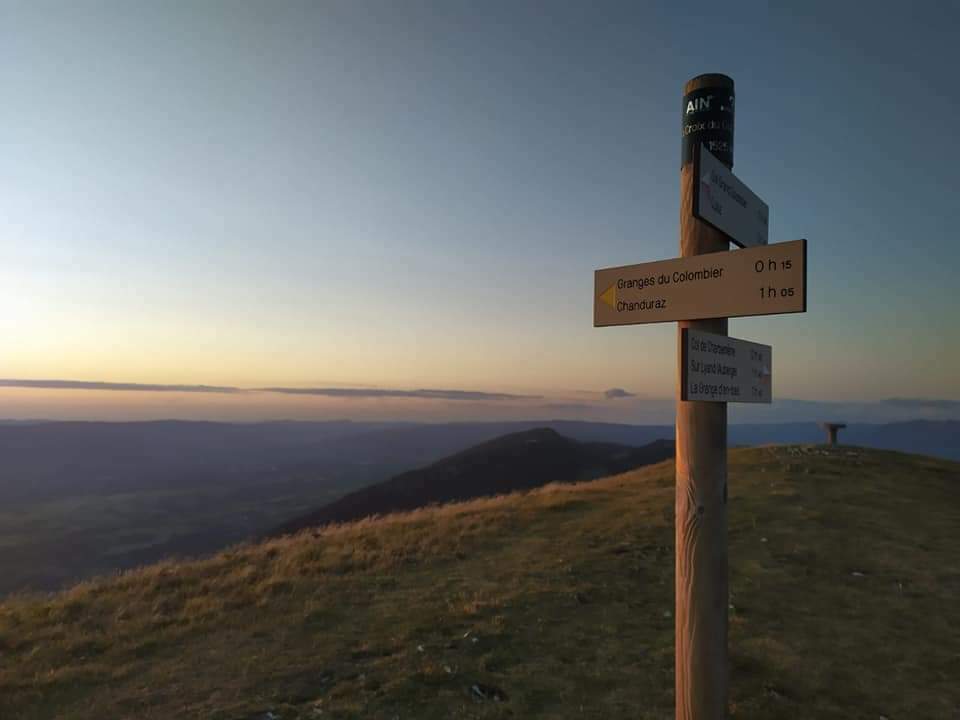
point(845, 603)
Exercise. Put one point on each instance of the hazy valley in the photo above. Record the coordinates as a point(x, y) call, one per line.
point(82, 499)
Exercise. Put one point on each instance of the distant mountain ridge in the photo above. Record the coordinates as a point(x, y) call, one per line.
point(519, 461)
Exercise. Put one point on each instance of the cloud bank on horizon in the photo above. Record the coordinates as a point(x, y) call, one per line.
point(122, 386)
point(423, 394)
point(333, 392)
point(615, 393)
point(923, 403)
point(617, 405)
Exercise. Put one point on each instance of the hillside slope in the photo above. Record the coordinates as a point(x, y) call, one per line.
point(845, 603)
point(519, 461)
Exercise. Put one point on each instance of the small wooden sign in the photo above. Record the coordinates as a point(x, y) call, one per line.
point(766, 280)
point(717, 368)
point(721, 199)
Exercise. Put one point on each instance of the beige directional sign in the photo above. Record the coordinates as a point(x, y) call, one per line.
point(764, 280)
point(717, 368)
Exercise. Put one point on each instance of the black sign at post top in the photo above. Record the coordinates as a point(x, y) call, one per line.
point(708, 119)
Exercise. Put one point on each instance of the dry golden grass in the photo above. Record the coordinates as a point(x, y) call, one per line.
point(554, 603)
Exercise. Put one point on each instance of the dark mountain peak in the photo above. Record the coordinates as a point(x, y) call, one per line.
point(518, 461)
point(528, 442)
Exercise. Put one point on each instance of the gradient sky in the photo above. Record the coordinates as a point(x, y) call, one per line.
point(415, 195)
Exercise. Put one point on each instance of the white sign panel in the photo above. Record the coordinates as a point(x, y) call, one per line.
point(720, 199)
point(717, 368)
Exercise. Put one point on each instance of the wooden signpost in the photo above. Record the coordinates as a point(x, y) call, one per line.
point(707, 284)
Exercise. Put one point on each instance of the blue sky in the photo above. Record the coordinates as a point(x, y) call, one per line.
point(415, 195)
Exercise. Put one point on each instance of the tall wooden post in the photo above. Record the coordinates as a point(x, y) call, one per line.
point(701, 501)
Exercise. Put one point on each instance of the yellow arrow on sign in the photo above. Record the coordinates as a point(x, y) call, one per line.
point(609, 296)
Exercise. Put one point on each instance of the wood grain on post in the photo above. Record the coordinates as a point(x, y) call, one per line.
point(701, 667)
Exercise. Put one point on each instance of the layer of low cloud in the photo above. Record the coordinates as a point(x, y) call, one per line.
point(881, 411)
point(923, 403)
point(614, 405)
point(424, 393)
point(615, 393)
point(95, 385)
point(566, 407)
point(332, 392)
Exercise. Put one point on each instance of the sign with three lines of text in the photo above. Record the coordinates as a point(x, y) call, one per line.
point(717, 368)
point(721, 199)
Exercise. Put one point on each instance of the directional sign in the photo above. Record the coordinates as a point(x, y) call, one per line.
point(717, 368)
point(720, 199)
point(763, 280)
